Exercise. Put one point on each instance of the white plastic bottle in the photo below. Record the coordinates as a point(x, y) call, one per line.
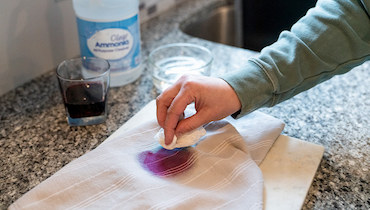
point(110, 29)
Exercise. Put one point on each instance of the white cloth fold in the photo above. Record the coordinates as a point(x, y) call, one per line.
point(133, 171)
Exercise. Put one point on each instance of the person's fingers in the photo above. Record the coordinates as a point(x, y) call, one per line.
point(171, 122)
point(210, 96)
point(161, 110)
point(198, 119)
point(170, 132)
point(174, 112)
point(210, 105)
point(164, 101)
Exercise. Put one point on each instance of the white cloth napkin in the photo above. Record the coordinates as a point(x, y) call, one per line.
point(133, 171)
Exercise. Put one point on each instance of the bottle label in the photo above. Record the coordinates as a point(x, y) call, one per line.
point(110, 44)
point(118, 42)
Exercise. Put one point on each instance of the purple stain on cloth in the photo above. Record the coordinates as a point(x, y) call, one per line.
point(165, 162)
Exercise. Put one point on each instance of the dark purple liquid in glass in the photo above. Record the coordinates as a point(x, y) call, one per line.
point(85, 100)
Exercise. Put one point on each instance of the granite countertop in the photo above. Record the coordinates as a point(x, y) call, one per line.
point(36, 141)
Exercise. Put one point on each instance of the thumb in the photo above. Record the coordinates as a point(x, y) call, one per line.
point(198, 119)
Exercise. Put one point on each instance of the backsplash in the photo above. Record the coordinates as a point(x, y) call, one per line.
point(151, 8)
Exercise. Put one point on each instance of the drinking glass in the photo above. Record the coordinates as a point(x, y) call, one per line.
point(84, 85)
point(169, 62)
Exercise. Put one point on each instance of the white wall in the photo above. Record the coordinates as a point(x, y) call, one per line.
point(35, 36)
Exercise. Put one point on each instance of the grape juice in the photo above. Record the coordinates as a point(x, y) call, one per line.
point(85, 100)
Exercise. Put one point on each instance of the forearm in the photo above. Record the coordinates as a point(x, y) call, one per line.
point(331, 39)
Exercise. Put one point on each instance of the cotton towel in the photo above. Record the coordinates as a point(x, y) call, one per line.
point(133, 171)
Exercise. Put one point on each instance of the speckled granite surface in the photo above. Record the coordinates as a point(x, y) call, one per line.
point(36, 141)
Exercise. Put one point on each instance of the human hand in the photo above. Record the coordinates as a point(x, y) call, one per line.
point(214, 99)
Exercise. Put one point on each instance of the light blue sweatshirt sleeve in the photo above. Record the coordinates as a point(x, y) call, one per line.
point(331, 39)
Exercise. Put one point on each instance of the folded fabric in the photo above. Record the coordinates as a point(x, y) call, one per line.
point(133, 171)
point(185, 140)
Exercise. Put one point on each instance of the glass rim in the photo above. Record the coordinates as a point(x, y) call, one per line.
point(207, 63)
point(81, 59)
